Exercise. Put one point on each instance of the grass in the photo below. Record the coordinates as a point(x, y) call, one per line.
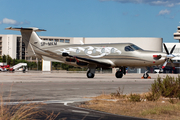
point(161, 102)
point(21, 111)
point(160, 109)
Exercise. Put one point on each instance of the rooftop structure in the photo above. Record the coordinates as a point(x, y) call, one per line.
point(177, 34)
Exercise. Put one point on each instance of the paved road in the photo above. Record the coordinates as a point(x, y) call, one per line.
point(61, 87)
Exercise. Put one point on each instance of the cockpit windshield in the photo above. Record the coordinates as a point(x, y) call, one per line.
point(136, 47)
point(132, 48)
point(128, 48)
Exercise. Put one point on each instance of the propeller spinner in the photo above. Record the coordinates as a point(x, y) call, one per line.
point(169, 56)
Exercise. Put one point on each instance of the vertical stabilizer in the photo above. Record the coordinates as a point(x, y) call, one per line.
point(30, 38)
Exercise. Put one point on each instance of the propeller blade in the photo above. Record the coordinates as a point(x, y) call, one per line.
point(172, 49)
point(164, 65)
point(172, 64)
point(166, 49)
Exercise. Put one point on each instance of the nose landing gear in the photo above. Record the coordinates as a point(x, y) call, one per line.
point(146, 75)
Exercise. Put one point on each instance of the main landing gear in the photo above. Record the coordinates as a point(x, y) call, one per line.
point(91, 71)
point(90, 74)
point(120, 72)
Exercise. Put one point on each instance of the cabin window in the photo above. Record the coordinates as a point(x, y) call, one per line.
point(86, 51)
point(128, 48)
point(112, 50)
point(103, 50)
point(77, 51)
point(94, 50)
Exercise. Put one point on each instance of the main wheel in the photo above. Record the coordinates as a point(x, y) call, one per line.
point(146, 75)
point(90, 75)
point(119, 74)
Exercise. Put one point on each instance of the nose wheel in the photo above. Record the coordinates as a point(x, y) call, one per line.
point(146, 75)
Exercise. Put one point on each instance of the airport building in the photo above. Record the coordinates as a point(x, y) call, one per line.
point(13, 45)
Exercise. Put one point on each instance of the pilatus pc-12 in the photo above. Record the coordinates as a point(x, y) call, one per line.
point(118, 55)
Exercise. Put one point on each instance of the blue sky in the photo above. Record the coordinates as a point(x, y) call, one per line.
point(93, 18)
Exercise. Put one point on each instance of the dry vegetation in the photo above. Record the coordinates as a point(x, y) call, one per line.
point(21, 111)
point(161, 102)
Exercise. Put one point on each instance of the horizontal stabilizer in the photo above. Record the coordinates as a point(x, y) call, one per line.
point(31, 28)
point(51, 59)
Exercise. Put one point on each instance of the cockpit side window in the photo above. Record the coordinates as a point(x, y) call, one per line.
point(128, 48)
point(136, 47)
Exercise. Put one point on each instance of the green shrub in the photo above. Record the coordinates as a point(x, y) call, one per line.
point(134, 98)
point(152, 96)
point(166, 87)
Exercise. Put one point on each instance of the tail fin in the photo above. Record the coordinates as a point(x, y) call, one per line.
point(30, 38)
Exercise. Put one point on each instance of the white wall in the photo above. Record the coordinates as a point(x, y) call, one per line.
point(9, 45)
point(46, 65)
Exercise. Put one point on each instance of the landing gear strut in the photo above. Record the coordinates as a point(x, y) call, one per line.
point(120, 72)
point(91, 71)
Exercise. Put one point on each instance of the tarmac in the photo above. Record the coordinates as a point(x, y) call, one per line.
point(64, 89)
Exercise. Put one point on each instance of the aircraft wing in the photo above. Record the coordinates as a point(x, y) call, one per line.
point(90, 61)
point(79, 60)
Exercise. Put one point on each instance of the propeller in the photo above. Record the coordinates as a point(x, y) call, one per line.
point(169, 57)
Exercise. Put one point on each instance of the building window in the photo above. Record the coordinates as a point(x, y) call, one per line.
point(0, 43)
point(50, 39)
point(0, 48)
point(176, 35)
point(27, 58)
point(45, 39)
point(67, 41)
point(23, 44)
point(23, 49)
point(0, 38)
point(61, 40)
point(56, 40)
point(18, 39)
point(33, 58)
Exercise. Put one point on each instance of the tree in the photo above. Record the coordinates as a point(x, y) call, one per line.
point(4, 58)
point(14, 62)
point(0, 59)
point(56, 64)
point(9, 60)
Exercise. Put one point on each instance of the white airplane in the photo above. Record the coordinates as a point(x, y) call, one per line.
point(114, 55)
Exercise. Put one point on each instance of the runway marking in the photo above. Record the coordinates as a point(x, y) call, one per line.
point(78, 111)
point(46, 102)
point(65, 102)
